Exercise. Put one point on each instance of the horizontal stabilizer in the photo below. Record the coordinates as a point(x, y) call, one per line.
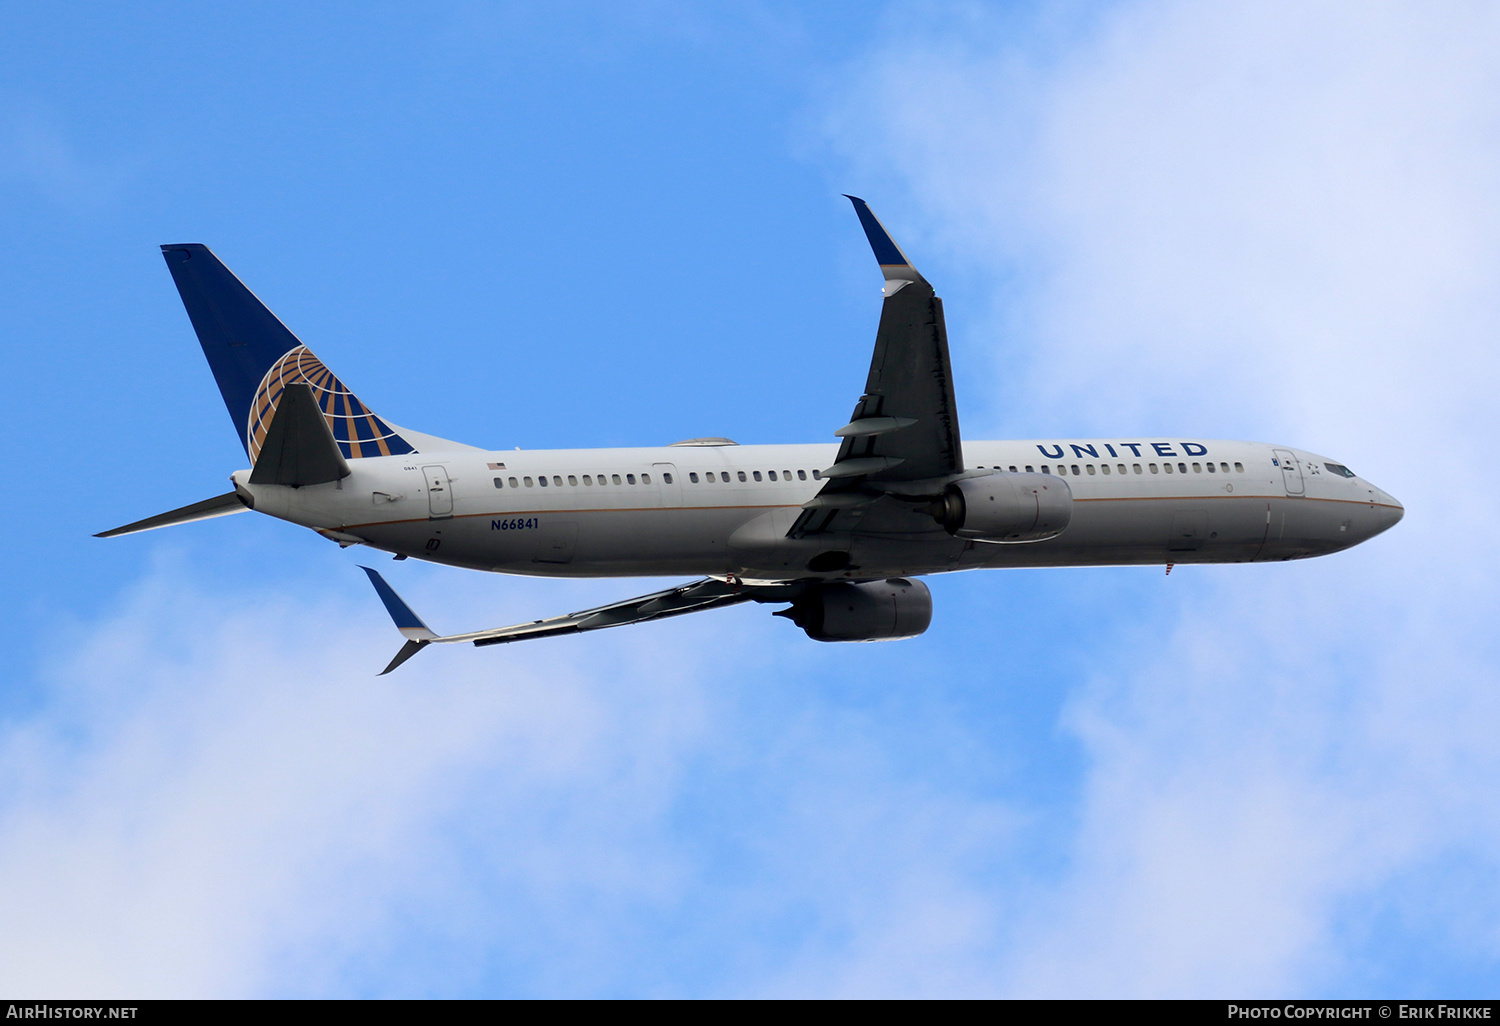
point(218, 506)
point(299, 448)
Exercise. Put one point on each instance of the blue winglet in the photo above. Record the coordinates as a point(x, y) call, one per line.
point(887, 253)
point(407, 622)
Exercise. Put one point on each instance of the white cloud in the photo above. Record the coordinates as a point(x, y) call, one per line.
point(1273, 220)
point(216, 797)
point(218, 801)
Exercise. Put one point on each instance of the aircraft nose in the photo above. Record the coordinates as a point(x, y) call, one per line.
point(1388, 511)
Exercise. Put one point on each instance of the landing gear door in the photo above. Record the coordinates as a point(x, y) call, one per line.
point(439, 492)
point(668, 482)
point(1291, 472)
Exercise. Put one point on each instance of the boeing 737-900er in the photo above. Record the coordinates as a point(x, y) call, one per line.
point(838, 532)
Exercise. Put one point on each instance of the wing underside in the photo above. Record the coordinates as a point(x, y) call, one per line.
point(696, 596)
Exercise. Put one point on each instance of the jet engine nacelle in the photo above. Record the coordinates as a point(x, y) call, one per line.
point(871, 611)
point(1003, 508)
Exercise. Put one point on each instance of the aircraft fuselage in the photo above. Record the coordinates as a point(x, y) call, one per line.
point(725, 510)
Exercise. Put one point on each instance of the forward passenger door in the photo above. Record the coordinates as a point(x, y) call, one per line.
point(1291, 472)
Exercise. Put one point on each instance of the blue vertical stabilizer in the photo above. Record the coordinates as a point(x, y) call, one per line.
point(254, 357)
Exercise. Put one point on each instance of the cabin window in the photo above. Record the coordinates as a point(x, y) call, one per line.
point(1197, 468)
point(1136, 466)
point(1105, 467)
point(1013, 469)
point(742, 475)
point(1167, 467)
point(771, 474)
point(645, 479)
point(528, 482)
point(542, 480)
point(1046, 469)
point(1153, 467)
point(1239, 468)
point(513, 482)
point(786, 475)
point(693, 476)
point(1091, 468)
point(666, 477)
point(1224, 467)
point(817, 475)
point(1075, 470)
point(572, 480)
point(801, 475)
point(588, 479)
point(1122, 467)
point(630, 479)
point(1211, 468)
point(499, 483)
point(1182, 468)
point(755, 474)
point(615, 478)
point(1028, 469)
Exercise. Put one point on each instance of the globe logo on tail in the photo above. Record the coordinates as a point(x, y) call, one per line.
point(358, 432)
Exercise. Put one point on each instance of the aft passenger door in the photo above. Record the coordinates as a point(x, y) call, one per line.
point(439, 492)
point(1291, 472)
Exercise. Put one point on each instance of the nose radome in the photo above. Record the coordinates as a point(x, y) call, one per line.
point(1390, 511)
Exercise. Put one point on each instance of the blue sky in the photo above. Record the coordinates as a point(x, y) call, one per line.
point(582, 225)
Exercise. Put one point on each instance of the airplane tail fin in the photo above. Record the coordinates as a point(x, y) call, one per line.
point(254, 357)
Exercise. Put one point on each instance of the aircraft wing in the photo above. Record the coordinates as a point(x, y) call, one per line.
point(708, 593)
point(903, 434)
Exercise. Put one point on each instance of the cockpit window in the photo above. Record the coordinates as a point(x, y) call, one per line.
point(1339, 469)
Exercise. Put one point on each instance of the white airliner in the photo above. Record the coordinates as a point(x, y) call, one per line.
point(836, 531)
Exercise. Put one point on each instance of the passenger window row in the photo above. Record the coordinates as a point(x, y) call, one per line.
point(556, 480)
point(723, 476)
point(1063, 469)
